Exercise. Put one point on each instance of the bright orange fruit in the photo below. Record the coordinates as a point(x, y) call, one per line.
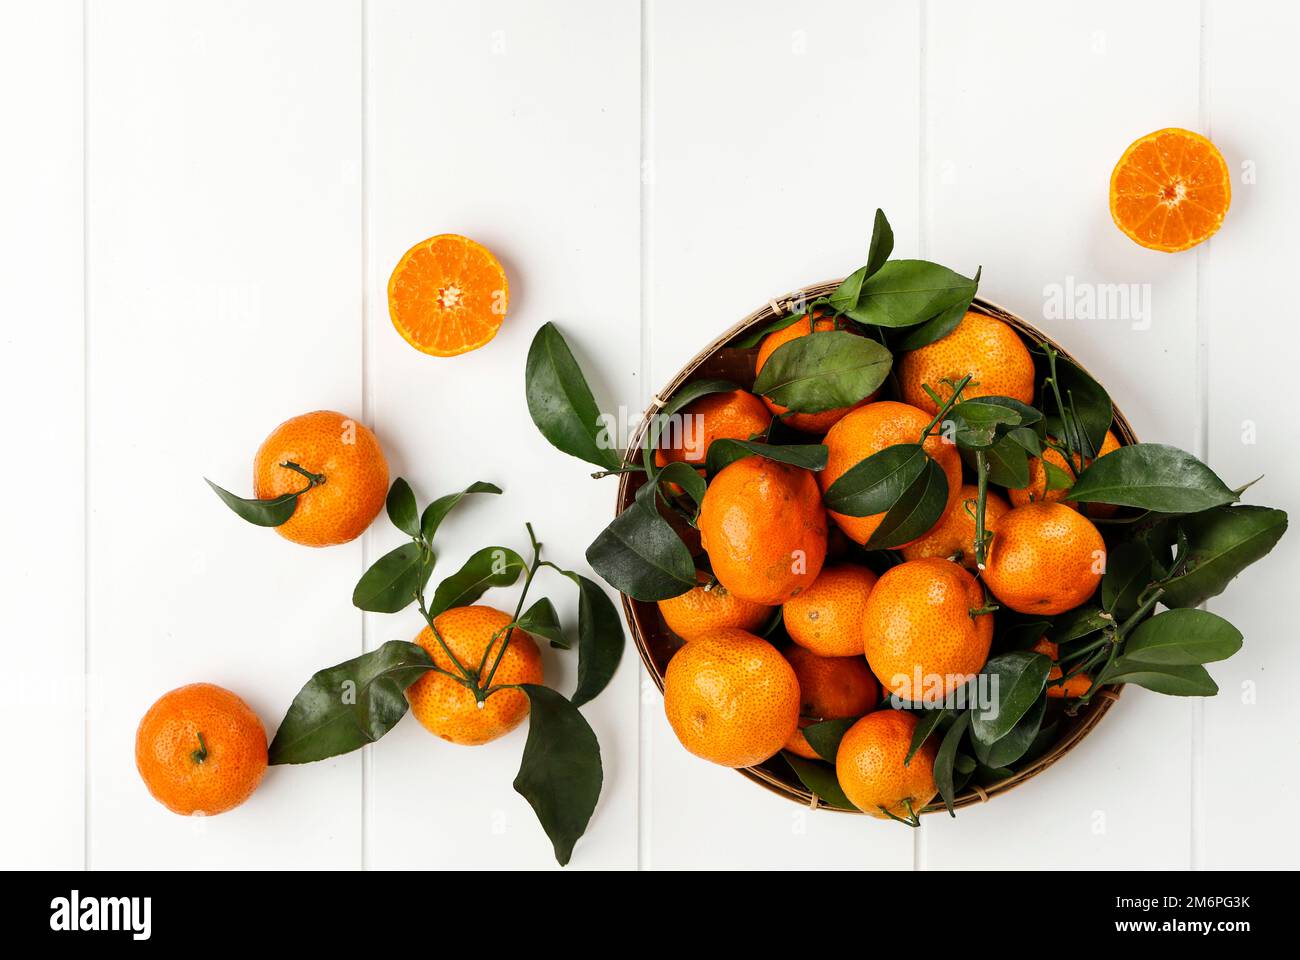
point(444, 705)
point(764, 528)
point(830, 688)
point(992, 353)
point(1044, 558)
point(870, 429)
point(1170, 190)
point(806, 422)
point(1037, 489)
point(448, 295)
point(827, 617)
point(341, 450)
point(954, 536)
point(870, 768)
point(731, 698)
point(200, 750)
point(704, 609)
point(1076, 686)
point(919, 622)
point(737, 415)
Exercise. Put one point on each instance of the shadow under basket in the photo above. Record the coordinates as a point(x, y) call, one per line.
point(656, 644)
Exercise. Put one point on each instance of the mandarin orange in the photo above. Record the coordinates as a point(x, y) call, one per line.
point(827, 617)
point(1076, 686)
point(830, 688)
point(448, 295)
point(954, 536)
point(1045, 558)
point(871, 770)
point(709, 607)
point(1170, 190)
point(990, 351)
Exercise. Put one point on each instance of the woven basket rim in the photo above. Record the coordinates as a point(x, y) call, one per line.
point(773, 309)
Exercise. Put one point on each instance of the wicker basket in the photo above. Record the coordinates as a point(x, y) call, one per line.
point(657, 644)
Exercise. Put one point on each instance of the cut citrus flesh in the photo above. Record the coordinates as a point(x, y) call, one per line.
point(1170, 190)
point(448, 295)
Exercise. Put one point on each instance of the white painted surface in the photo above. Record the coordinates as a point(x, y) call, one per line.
point(648, 173)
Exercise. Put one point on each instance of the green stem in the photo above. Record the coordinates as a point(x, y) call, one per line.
point(510, 630)
point(201, 754)
point(315, 479)
point(981, 537)
point(616, 471)
point(945, 406)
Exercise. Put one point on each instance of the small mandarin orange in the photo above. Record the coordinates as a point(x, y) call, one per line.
point(954, 536)
point(827, 617)
point(708, 607)
point(869, 766)
point(985, 348)
point(736, 415)
point(1076, 686)
point(1037, 488)
point(830, 688)
point(1045, 558)
point(731, 698)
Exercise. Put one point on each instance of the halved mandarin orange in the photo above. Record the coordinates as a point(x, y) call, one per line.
point(1170, 190)
point(448, 295)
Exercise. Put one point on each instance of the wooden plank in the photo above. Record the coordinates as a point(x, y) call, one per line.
point(774, 132)
point(514, 123)
point(42, 384)
point(1250, 731)
point(225, 293)
point(1029, 107)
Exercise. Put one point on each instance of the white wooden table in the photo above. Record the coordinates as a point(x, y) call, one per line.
point(200, 204)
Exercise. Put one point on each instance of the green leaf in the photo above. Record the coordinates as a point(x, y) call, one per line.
point(541, 620)
point(1078, 623)
point(1089, 413)
point(393, 580)
point(1178, 680)
point(560, 402)
point(1128, 572)
point(875, 484)
point(347, 706)
point(489, 567)
point(845, 296)
point(685, 395)
point(979, 422)
point(819, 779)
point(904, 293)
point(1220, 544)
point(1008, 462)
point(600, 639)
point(401, 508)
point(1152, 476)
point(560, 774)
point(640, 555)
point(725, 451)
point(1020, 677)
point(1182, 637)
point(823, 370)
point(825, 737)
point(437, 511)
point(685, 476)
point(263, 513)
point(927, 723)
point(1009, 749)
point(916, 511)
point(940, 325)
point(943, 760)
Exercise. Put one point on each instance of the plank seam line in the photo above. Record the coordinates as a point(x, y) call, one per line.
point(367, 381)
point(85, 425)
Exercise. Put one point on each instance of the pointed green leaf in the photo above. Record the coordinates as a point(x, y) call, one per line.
point(1152, 476)
point(437, 511)
point(1015, 680)
point(1177, 680)
point(819, 779)
point(944, 759)
point(904, 293)
point(1089, 413)
point(394, 579)
point(600, 639)
point(823, 370)
point(641, 555)
point(1220, 544)
point(401, 508)
point(940, 325)
point(561, 404)
point(926, 724)
point(263, 513)
point(725, 451)
point(1128, 572)
point(489, 567)
point(875, 484)
point(541, 620)
point(825, 736)
point(917, 511)
point(560, 774)
point(1182, 637)
point(1008, 749)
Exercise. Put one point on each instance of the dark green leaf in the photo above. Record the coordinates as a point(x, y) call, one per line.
point(1077, 623)
point(845, 296)
point(1182, 637)
point(541, 620)
point(401, 508)
point(825, 737)
point(724, 451)
point(1008, 463)
point(1186, 680)
point(1220, 544)
point(489, 567)
point(1128, 572)
point(1088, 412)
point(904, 293)
point(437, 511)
point(943, 760)
point(264, 513)
point(819, 779)
point(600, 639)
point(347, 706)
point(1009, 749)
point(560, 774)
point(979, 422)
point(675, 425)
point(394, 579)
point(823, 370)
point(561, 404)
point(1020, 677)
point(917, 510)
point(1152, 476)
point(926, 724)
point(875, 484)
point(940, 325)
point(641, 555)
point(685, 476)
